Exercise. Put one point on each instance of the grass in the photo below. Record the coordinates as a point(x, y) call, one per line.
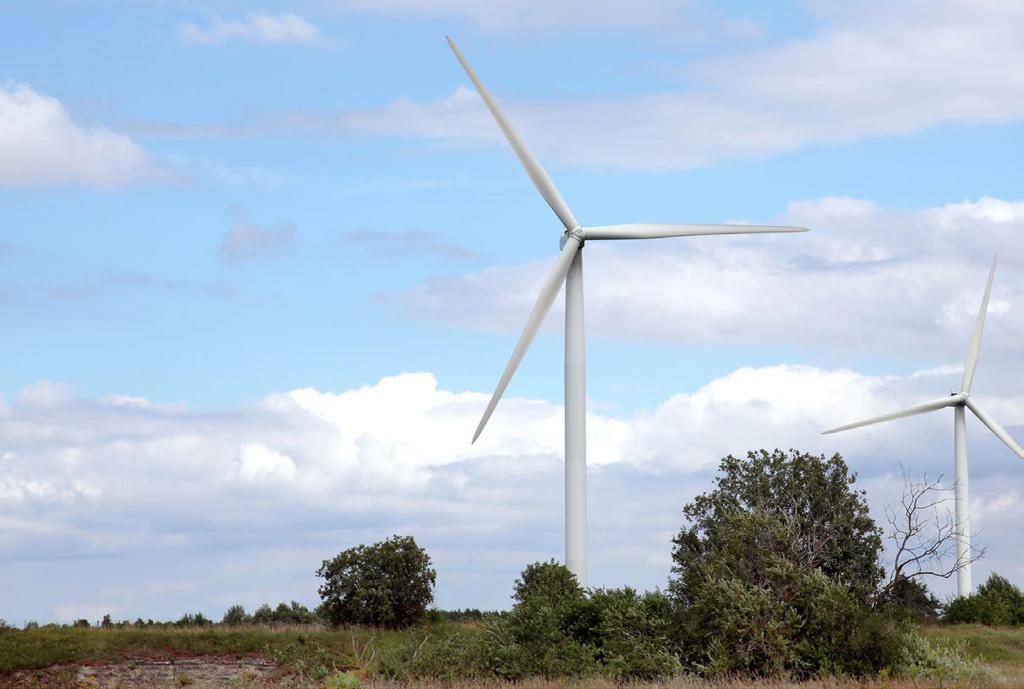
point(1001, 648)
point(47, 646)
point(309, 653)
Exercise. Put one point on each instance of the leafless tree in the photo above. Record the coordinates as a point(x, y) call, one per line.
point(924, 533)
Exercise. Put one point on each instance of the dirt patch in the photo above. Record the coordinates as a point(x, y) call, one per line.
point(149, 673)
point(180, 673)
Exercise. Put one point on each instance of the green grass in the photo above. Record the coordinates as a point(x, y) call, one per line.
point(312, 652)
point(39, 648)
point(1002, 648)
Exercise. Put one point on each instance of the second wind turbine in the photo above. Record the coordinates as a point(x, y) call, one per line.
point(569, 269)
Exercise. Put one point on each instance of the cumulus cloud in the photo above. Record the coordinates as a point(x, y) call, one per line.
point(865, 281)
point(260, 27)
point(41, 145)
point(875, 70)
point(137, 496)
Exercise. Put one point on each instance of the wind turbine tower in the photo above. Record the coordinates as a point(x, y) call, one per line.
point(568, 268)
point(959, 401)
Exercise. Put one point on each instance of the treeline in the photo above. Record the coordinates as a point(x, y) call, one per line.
point(293, 613)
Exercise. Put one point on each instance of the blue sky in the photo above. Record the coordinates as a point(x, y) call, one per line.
point(221, 221)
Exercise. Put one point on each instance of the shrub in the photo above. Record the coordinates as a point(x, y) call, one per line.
point(235, 616)
point(630, 633)
point(910, 599)
point(197, 620)
point(557, 629)
point(342, 680)
point(997, 602)
point(467, 615)
point(920, 660)
point(293, 613)
point(388, 584)
point(263, 615)
point(776, 571)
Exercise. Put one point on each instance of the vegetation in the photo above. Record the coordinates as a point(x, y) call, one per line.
point(387, 584)
point(997, 602)
point(309, 656)
point(776, 574)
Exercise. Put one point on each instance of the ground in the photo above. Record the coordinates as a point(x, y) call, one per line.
point(312, 658)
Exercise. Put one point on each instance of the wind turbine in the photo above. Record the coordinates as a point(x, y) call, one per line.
point(958, 401)
point(568, 268)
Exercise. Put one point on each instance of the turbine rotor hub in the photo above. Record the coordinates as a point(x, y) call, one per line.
point(577, 233)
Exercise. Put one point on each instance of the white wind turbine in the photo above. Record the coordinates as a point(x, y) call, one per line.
point(569, 269)
point(958, 401)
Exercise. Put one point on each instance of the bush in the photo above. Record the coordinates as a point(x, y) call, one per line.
point(997, 602)
point(388, 584)
point(263, 615)
point(921, 660)
point(776, 573)
point(197, 620)
point(910, 599)
point(236, 615)
point(468, 615)
point(557, 629)
point(294, 613)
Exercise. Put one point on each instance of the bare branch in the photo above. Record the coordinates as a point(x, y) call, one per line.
point(924, 533)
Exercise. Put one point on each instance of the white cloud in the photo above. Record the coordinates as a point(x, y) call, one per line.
point(882, 69)
point(865, 281)
point(260, 27)
point(260, 463)
point(257, 496)
point(41, 145)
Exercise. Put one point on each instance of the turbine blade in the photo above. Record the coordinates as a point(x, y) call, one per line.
point(540, 178)
point(659, 230)
point(979, 327)
point(993, 426)
point(545, 299)
point(922, 408)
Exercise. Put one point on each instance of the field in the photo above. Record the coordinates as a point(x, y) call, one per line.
point(305, 657)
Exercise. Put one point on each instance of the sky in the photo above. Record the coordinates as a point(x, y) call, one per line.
point(261, 265)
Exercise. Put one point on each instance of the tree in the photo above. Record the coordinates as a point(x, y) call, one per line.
point(800, 506)
point(387, 584)
point(924, 537)
point(549, 580)
point(997, 602)
point(776, 571)
point(236, 615)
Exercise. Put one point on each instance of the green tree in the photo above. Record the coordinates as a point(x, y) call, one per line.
point(997, 602)
point(387, 584)
point(550, 581)
point(911, 598)
point(776, 571)
point(235, 616)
